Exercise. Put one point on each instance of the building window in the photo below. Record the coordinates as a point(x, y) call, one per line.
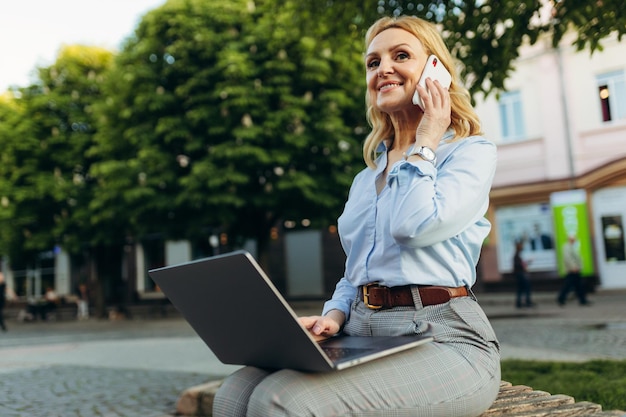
point(511, 116)
point(612, 94)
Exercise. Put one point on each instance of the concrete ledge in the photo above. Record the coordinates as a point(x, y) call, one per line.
point(512, 401)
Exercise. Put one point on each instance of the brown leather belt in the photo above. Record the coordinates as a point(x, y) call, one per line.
point(377, 297)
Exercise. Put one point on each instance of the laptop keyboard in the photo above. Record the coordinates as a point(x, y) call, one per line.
point(335, 354)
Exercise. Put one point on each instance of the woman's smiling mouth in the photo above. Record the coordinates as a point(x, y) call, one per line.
point(388, 86)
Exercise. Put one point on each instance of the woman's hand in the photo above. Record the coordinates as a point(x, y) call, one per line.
point(437, 114)
point(323, 327)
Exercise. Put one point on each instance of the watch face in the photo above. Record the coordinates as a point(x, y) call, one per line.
point(425, 152)
point(428, 153)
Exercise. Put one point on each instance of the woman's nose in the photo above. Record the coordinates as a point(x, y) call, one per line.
point(385, 68)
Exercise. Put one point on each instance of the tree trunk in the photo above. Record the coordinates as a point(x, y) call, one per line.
point(95, 285)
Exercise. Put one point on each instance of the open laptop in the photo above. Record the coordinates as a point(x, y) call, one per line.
point(234, 307)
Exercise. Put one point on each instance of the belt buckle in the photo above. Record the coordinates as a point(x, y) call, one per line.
point(366, 298)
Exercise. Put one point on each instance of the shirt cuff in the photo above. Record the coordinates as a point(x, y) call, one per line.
point(342, 306)
point(404, 171)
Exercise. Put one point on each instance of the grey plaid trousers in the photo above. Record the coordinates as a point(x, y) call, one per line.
point(456, 375)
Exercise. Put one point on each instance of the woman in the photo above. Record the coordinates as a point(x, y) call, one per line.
point(409, 224)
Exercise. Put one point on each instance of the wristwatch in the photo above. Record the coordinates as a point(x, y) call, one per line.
point(423, 151)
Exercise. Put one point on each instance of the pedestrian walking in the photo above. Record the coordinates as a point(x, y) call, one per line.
point(520, 271)
point(573, 278)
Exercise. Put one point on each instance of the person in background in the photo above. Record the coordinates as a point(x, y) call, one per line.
point(573, 267)
point(51, 300)
point(82, 301)
point(412, 230)
point(520, 271)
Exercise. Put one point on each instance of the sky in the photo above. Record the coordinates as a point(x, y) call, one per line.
point(33, 31)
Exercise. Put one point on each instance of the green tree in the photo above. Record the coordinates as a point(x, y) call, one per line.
point(227, 114)
point(46, 129)
point(12, 236)
point(73, 84)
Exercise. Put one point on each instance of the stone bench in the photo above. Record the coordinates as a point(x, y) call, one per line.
point(513, 401)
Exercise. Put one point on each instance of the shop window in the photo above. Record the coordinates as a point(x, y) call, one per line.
point(532, 226)
point(612, 95)
point(511, 116)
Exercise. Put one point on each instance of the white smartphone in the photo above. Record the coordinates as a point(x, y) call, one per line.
point(436, 71)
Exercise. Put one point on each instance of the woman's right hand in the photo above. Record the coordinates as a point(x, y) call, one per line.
point(323, 327)
point(437, 114)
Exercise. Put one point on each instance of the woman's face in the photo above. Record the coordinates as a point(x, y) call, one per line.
point(394, 63)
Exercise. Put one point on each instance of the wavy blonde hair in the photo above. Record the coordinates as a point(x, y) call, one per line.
point(464, 120)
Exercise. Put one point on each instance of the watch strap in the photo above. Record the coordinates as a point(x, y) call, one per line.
point(424, 152)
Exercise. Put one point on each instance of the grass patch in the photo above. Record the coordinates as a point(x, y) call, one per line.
point(599, 381)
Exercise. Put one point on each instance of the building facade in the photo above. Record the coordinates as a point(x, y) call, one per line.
point(560, 128)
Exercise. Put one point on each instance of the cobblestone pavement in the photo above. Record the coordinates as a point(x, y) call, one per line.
point(570, 333)
point(135, 368)
point(138, 368)
point(83, 391)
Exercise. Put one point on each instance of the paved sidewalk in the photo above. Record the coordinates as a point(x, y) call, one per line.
point(138, 368)
point(551, 332)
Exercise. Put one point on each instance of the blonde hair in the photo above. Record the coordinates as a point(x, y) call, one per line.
point(464, 120)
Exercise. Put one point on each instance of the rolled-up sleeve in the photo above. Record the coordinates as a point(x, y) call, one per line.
point(436, 203)
point(342, 298)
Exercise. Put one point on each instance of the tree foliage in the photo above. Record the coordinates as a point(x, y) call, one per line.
point(45, 133)
point(221, 114)
point(485, 36)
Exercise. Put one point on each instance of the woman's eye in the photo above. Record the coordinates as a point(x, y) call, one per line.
point(372, 64)
point(402, 56)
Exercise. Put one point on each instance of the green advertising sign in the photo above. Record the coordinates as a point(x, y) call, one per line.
point(571, 226)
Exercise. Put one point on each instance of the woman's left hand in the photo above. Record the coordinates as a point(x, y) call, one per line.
point(323, 327)
point(437, 114)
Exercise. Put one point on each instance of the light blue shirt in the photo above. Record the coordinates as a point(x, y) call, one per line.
point(425, 227)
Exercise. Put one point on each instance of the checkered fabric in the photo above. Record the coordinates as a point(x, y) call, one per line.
point(456, 375)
